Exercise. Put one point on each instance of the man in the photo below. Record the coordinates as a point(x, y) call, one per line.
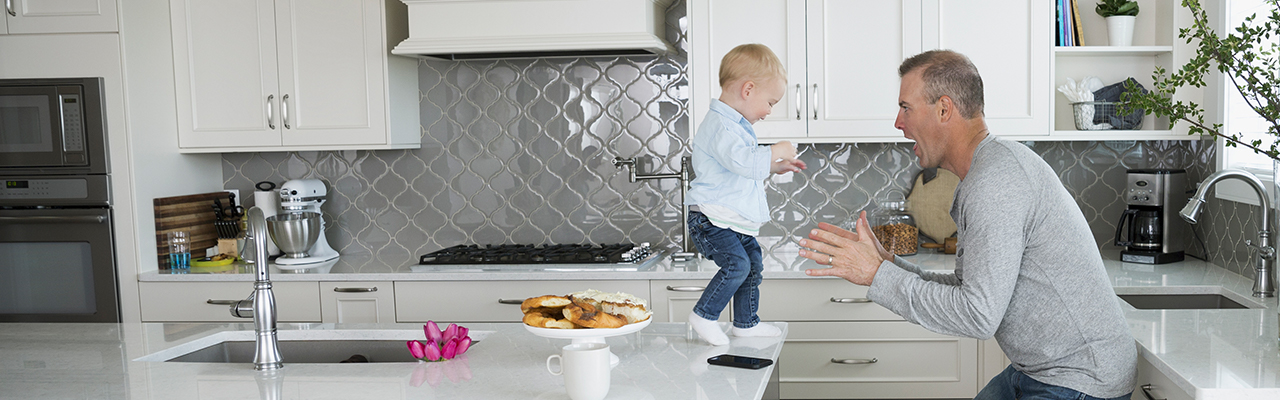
point(1028, 271)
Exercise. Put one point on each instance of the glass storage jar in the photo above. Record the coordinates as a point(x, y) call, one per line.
point(895, 228)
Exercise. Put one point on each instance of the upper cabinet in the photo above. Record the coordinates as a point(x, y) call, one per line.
point(291, 75)
point(62, 16)
point(842, 59)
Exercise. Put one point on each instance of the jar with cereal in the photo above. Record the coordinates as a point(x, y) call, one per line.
point(895, 228)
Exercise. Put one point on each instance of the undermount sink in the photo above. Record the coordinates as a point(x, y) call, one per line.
point(305, 352)
point(303, 347)
point(1183, 298)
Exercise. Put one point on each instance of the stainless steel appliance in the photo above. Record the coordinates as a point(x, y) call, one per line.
point(306, 247)
point(1149, 229)
point(551, 257)
point(56, 235)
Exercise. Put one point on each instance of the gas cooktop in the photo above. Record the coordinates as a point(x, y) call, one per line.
point(553, 257)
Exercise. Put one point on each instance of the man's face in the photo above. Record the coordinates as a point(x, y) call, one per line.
point(761, 98)
point(918, 121)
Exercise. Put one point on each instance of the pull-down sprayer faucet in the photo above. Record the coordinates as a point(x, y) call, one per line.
point(261, 305)
point(1264, 284)
point(685, 175)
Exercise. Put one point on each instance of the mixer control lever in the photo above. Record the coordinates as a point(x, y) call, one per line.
point(1266, 252)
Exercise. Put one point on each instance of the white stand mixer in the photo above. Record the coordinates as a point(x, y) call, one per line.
point(306, 195)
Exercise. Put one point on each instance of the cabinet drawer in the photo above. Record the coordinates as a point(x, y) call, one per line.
point(672, 301)
point(795, 300)
point(1161, 387)
point(190, 301)
point(909, 362)
point(357, 302)
point(488, 301)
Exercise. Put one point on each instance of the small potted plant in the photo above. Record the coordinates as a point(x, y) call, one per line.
point(1120, 16)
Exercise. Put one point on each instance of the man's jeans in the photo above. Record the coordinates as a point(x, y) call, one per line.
point(740, 262)
point(1013, 385)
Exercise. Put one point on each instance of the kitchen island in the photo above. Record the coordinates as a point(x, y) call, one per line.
point(101, 361)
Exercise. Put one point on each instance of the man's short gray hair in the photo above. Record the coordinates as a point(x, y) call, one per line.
point(951, 74)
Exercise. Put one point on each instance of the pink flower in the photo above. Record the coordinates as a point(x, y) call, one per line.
point(446, 345)
point(432, 330)
point(464, 344)
point(418, 349)
point(433, 351)
point(450, 333)
point(450, 349)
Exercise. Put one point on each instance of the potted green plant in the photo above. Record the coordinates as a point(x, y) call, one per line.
point(1120, 16)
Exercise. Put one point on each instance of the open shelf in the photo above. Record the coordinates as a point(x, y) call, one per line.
point(1090, 51)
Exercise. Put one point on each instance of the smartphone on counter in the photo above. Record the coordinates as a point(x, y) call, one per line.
point(730, 360)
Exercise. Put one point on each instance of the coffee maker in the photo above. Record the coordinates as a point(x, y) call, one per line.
point(1155, 233)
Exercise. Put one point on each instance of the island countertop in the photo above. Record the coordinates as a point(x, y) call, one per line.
point(662, 361)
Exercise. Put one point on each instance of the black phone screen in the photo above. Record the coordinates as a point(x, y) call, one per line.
point(730, 360)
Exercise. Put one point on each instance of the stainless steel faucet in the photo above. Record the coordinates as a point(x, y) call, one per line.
point(685, 175)
point(261, 304)
point(1264, 284)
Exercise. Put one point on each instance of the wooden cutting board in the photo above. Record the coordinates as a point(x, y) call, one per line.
point(192, 213)
point(930, 204)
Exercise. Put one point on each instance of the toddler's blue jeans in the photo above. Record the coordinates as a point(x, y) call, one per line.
point(741, 264)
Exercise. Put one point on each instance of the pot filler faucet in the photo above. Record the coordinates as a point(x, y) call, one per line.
point(685, 175)
point(261, 304)
point(1264, 284)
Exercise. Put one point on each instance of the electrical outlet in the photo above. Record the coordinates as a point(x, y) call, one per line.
point(239, 200)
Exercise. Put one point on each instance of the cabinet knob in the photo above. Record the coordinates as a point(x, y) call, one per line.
point(847, 300)
point(506, 301)
point(849, 361)
point(355, 289)
point(686, 288)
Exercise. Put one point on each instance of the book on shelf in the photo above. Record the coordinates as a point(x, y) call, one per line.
point(1075, 23)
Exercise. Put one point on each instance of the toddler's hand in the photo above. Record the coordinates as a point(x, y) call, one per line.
point(787, 165)
point(784, 150)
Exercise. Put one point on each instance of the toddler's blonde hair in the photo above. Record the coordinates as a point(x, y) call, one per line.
point(752, 61)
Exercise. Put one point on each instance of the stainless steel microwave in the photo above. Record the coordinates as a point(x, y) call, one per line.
point(52, 126)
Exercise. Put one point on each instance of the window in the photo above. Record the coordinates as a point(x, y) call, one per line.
point(1238, 117)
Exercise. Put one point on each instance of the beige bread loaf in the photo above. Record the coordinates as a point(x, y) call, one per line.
point(629, 307)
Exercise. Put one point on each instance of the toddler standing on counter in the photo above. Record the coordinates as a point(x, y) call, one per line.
point(727, 204)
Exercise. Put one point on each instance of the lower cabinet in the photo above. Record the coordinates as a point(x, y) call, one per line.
point(488, 301)
point(1153, 384)
point(211, 301)
point(672, 301)
point(875, 360)
point(357, 302)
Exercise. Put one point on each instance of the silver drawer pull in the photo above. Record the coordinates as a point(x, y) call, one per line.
point(1146, 391)
point(686, 288)
point(221, 302)
point(854, 361)
point(850, 300)
point(355, 289)
point(505, 301)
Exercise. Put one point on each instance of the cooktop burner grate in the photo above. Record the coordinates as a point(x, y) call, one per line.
point(622, 253)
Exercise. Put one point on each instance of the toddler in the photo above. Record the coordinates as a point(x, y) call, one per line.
point(727, 203)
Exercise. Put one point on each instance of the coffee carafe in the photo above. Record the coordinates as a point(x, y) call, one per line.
point(1149, 230)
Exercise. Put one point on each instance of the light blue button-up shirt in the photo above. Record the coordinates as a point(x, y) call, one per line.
point(730, 164)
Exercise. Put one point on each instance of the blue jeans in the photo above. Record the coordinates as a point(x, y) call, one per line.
point(740, 262)
point(1013, 385)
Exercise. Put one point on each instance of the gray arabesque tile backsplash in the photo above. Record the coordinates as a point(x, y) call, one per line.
point(518, 151)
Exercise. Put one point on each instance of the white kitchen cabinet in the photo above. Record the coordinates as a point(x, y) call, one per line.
point(211, 301)
point(62, 16)
point(1153, 384)
point(672, 301)
point(357, 302)
point(842, 58)
point(288, 75)
point(488, 301)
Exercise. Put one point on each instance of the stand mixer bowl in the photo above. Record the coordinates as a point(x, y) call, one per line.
point(295, 232)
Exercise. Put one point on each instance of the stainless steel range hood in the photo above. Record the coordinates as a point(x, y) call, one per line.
point(492, 29)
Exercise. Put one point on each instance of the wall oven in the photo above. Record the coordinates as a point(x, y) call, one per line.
point(57, 247)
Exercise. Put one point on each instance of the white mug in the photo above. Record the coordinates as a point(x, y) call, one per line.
point(585, 367)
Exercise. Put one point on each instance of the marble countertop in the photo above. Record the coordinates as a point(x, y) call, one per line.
point(101, 361)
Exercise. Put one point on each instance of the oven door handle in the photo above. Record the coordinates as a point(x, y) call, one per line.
point(53, 219)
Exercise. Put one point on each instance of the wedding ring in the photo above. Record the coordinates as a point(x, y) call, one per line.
point(830, 259)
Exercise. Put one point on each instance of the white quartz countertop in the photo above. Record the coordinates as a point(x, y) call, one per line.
point(100, 361)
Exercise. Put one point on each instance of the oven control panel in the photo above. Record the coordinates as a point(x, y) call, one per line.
point(45, 188)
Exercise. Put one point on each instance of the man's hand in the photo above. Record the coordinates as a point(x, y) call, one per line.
point(853, 256)
point(785, 166)
point(782, 150)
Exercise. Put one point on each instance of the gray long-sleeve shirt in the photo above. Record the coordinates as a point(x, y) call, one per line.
point(1028, 272)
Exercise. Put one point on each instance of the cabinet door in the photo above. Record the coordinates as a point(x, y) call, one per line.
point(357, 302)
point(63, 16)
point(332, 81)
point(855, 47)
point(1153, 384)
point(672, 301)
point(211, 301)
point(224, 54)
point(1010, 55)
point(488, 301)
point(721, 25)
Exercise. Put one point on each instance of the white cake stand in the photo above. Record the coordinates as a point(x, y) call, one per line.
point(591, 335)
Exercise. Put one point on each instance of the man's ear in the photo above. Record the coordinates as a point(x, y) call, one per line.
point(946, 108)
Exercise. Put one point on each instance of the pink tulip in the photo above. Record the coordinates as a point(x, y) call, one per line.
point(464, 344)
point(433, 332)
point(450, 349)
point(418, 349)
point(463, 331)
point(450, 332)
point(433, 351)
